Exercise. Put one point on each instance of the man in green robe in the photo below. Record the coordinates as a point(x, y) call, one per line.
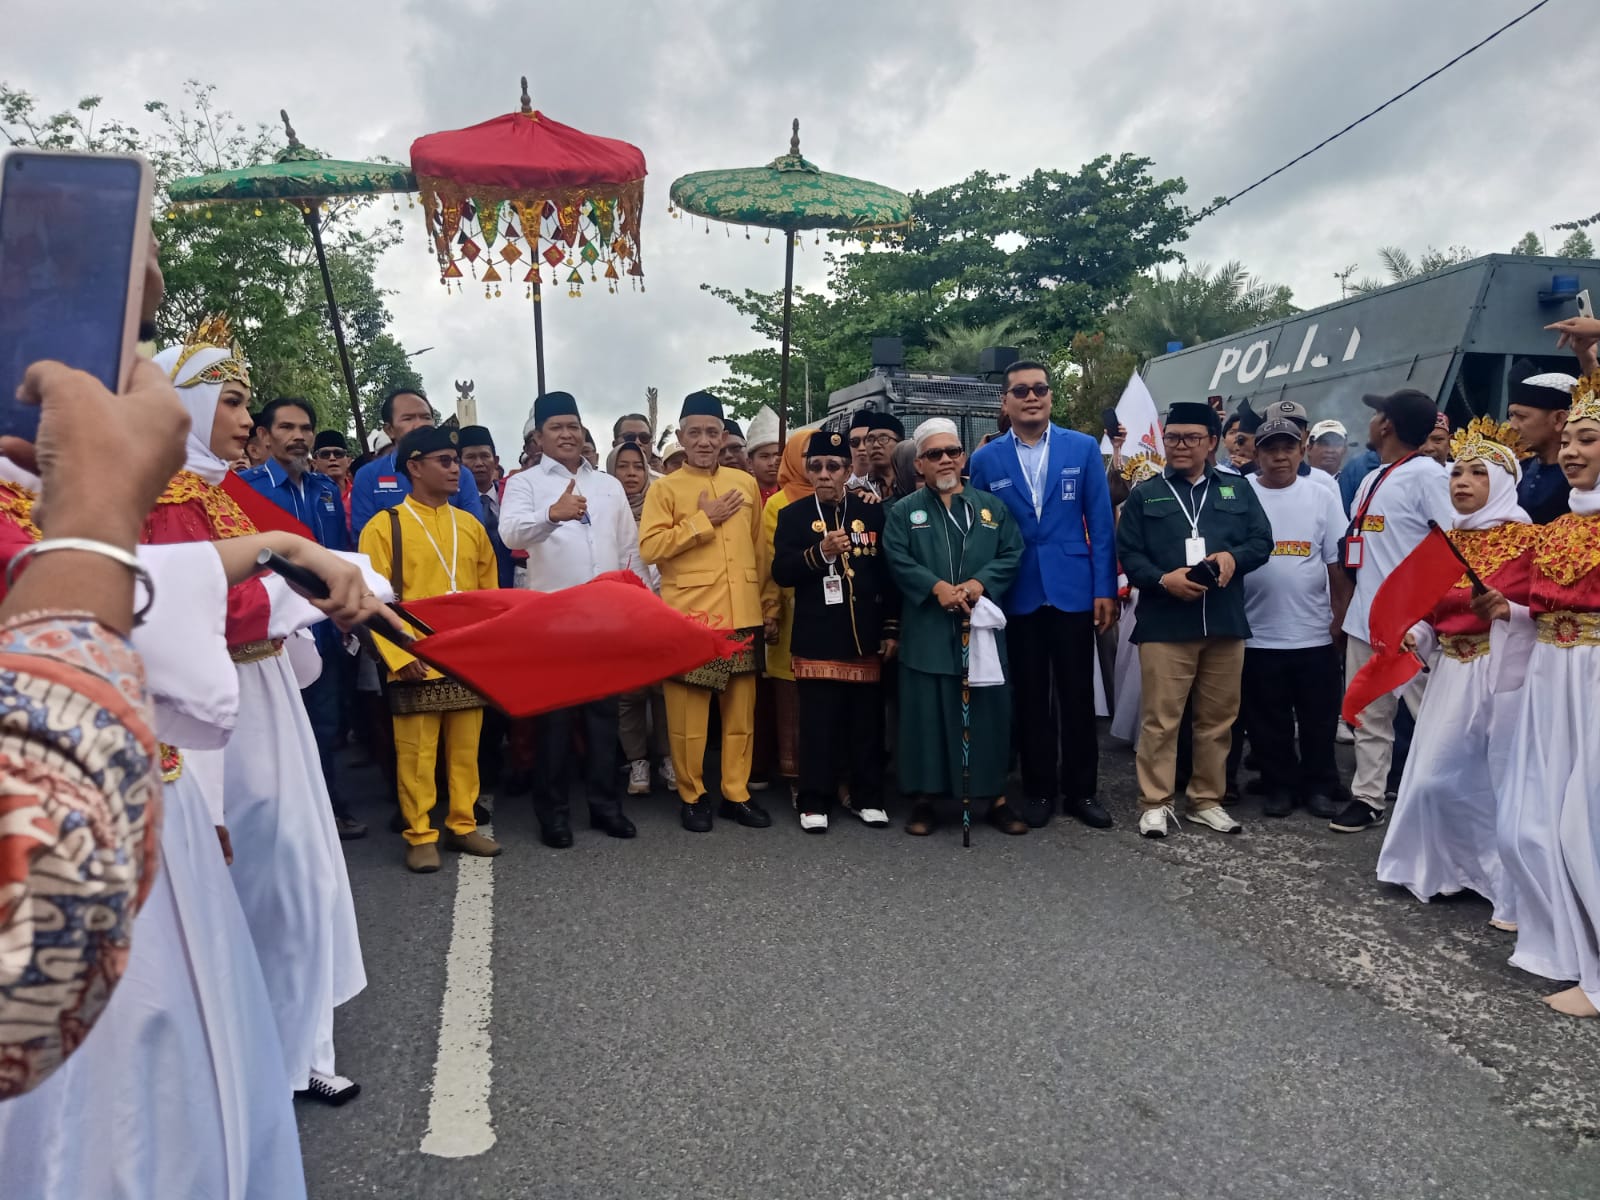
point(948, 546)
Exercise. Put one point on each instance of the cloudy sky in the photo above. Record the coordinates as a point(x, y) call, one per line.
point(912, 93)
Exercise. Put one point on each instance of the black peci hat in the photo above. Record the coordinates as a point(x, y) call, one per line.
point(825, 443)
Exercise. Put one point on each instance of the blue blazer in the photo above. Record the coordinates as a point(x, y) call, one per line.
point(1070, 555)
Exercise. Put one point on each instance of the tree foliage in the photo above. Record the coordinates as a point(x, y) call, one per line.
point(1576, 245)
point(1196, 305)
point(1399, 266)
point(1047, 254)
point(254, 264)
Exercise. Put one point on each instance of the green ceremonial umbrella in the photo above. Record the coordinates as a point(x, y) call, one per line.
point(790, 194)
point(302, 177)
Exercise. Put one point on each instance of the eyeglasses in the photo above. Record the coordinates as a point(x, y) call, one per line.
point(859, 443)
point(333, 454)
point(939, 452)
point(1184, 439)
point(881, 439)
point(1022, 391)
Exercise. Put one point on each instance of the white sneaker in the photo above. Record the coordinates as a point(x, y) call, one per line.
point(669, 777)
point(332, 1089)
point(1154, 821)
point(814, 822)
point(1344, 735)
point(639, 778)
point(875, 817)
point(1215, 817)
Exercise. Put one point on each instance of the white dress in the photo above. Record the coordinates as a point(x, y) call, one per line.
point(179, 1090)
point(1126, 687)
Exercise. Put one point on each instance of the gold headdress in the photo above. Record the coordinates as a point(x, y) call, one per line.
point(1485, 440)
point(213, 333)
point(1585, 399)
point(1143, 466)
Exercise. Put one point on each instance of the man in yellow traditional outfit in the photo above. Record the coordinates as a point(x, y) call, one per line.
point(427, 548)
point(701, 527)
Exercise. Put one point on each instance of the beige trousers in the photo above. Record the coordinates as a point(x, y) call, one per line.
point(1170, 673)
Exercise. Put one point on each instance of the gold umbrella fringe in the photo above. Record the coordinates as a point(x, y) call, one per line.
point(890, 234)
point(304, 203)
point(491, 234)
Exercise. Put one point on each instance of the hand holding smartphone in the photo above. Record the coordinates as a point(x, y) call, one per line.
point(74, 244)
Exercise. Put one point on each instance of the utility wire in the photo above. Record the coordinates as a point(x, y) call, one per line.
point(1206, 212)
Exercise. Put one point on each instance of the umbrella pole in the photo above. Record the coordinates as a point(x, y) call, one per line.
point(788, 297)
point(538, 332)
point(313, 216)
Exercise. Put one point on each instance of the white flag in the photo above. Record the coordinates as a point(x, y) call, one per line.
point(1136, 412)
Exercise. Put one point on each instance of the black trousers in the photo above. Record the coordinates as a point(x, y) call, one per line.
point(321, 702)
point(556, 766)
point(1282, 687)
point(841, 734)
point(1052, 653)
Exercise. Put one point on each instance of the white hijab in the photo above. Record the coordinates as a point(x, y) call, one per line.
point(201, 401)
point(1501, 508)
point(1585, 503)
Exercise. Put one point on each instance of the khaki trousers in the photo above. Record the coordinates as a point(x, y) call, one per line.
point(642, 724)
point(1170, 674)
point(688, 709)
point(416, 745)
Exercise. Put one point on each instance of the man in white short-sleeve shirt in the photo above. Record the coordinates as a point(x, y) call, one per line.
point(1294, 605)
point(1389, 517)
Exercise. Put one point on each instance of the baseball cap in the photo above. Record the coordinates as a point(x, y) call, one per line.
point(1412, 413)
point(1324, 429)
point(1276, 426)
point(1287, 410)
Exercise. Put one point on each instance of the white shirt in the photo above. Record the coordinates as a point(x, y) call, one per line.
point(563, 554)
point(1287, 601)
point(1318, 475)
point(1396, 522)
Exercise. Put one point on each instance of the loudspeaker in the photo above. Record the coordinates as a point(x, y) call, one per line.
point(888, 352)
point(995, 359)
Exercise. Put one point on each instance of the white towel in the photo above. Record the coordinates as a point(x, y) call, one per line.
point(983, 656)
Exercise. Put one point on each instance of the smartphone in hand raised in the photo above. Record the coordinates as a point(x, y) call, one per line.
point(74, 244)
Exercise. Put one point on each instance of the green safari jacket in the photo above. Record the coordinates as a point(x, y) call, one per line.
point(923, 548)
point(1150, 542)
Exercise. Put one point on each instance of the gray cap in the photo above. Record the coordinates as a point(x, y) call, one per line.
point(1278, 427)
point(1287, 410)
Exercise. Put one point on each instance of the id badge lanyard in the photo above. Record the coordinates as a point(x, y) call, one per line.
point(832, 584)
point(1194, 547)
point(1036, 479)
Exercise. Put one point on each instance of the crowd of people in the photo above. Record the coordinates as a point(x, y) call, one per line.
point(911, 623)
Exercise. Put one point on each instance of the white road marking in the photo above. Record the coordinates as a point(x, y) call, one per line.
point(460, 1124)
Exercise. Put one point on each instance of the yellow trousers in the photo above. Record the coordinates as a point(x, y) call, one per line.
point(416, 752)
point(688, 709)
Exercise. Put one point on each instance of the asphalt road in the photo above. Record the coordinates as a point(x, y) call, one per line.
point(762, 1014)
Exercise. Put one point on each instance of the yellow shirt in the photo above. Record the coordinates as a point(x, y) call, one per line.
point(432, 540)
point(779, 664)
point(721, 571)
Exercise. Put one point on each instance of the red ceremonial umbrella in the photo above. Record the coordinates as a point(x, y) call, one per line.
point(521, 186)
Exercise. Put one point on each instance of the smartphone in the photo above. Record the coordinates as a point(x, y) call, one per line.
point(1585, 309)
point(74, 245)
point(1206, 573)
point(1108, 420)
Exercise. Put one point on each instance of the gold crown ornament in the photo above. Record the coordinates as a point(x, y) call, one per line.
point(215, 332)
point(1485, 440)
point(1585, 399)
point(1143, 466)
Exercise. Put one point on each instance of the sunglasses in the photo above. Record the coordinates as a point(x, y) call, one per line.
point(444, 460)
point(858, 443)
point(332, 454)
point(939, 452)
point(1022, 391)
point(635, 438)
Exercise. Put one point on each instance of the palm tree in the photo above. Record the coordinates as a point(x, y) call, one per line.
point(955, 348)
point(1400, 266)
point(1196, 305)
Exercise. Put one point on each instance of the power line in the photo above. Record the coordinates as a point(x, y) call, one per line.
point(1206, 212)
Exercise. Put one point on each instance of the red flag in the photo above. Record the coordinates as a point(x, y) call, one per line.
point(534, 652)
point(266, 516)
point(1411, 591)
point(1382, 674)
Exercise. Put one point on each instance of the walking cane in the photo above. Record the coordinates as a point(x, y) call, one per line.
point(966, 733)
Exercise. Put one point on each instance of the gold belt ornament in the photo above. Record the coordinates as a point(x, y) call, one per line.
point(1568, 629)
point(256, 651)
point(171, 763)
point(1465, 647)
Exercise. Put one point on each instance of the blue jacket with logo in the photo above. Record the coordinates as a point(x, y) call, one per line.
point(1069, 558)
point(379, 486)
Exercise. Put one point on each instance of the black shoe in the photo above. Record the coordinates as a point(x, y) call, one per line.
point(615, 824)
point(1356, 816)
point(922, 821)
point(349, 829)
point(397, 822)
point(1277, 804)
point(1090, 811)
point(331, 1089)
point(696, 818)
point(1003, 819)
point(557, 835)
point(480, 814)
point(749, 814)
point(1325, 807)
point(1037, 813)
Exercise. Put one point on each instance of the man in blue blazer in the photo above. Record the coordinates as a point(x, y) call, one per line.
point(1054, 482)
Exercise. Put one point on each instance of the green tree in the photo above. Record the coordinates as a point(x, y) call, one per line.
point(254, 264)
point(1196, 305)
point(1529, 244)
point(955, 348)
point(1400, 266)
point(1090, 375)
point(1577, 245)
